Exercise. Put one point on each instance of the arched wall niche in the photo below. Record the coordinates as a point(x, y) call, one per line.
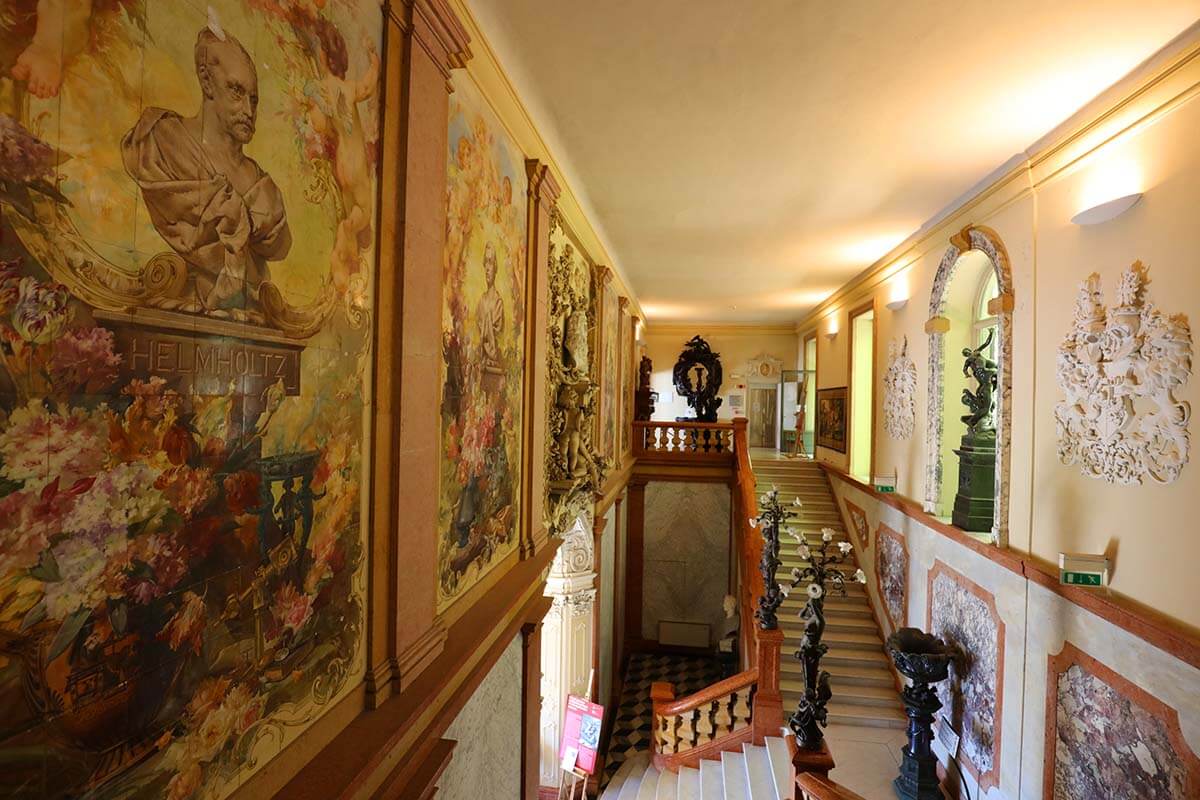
point(987, 242)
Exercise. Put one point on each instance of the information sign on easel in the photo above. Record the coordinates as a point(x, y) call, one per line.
point(580, 742)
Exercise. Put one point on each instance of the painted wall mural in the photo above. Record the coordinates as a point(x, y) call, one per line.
point(860, 529)
point(1120, 369)
point(625, 427)
point(964, 615)
point(186, 281)
point(483, 350)
point(1106, 737)
point(610, 318)
point(891, 574)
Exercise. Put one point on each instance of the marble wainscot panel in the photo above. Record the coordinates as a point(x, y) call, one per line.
point(891, 575)
point(859, 527)
point(964, 615)
point(1111, 739)
point(1120, 713)
point(686, 546)
point(488, 732)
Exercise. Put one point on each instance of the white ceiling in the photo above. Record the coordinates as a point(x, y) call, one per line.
point(742, 159)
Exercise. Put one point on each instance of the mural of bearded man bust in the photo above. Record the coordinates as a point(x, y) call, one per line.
point(213, 204)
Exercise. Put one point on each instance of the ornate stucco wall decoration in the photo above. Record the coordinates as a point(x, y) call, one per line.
point(964, 614)
point(859, 528)
point(1106, 737)
point(573, 466)
point(1120, 368)
point(899, 392)
point(891, 574)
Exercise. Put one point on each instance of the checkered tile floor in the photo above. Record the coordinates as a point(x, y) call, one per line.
point(631, 726)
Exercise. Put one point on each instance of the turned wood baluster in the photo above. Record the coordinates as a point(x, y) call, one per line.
point(691, 735)
point(741, 708)
point(724, 723)
point(669, 743)
point(704, 728)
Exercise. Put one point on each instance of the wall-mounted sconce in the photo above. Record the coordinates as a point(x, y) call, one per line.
point(1106, 211)
point(831, 331)
point(898, 290)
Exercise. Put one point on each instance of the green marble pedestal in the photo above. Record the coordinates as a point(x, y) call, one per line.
point(975, 503)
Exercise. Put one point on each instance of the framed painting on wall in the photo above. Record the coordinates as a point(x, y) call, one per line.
point(183, 403)
point(624, 427)
point(483, 346)
point(609, 363)
point(831, 418)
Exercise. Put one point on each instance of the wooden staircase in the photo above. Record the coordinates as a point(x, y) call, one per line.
point(864, 689)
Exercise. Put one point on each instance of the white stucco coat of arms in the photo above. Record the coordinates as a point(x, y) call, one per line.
point(899, 392)
point(1120, 368)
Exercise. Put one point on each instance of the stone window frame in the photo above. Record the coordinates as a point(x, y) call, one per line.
point(988, 242)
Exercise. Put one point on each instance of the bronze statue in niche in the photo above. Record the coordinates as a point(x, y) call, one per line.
point(975, 501)
point(980, 402)
point(701, 386)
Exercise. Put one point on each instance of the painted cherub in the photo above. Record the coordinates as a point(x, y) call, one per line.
point(62, 34)
point(334, 115)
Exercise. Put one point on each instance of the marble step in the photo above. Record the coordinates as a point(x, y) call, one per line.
point(780, 756)
point(758, 772)
point(688, 784)
point(835, 624)
point(841, 713)
point(733, 773)
point(668, 786)
point(840, 656)
point(712, 783)
point(848, 606)
point(649, 785)
point(848, 693)
point(846, 641)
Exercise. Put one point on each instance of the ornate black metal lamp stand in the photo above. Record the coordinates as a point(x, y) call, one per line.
point(924, 660)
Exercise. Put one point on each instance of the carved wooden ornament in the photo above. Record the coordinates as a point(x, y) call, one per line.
point(1120, 369)
point(899, 392)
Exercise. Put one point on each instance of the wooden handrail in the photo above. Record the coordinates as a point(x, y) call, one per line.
point(814, 786)
point(672, 706)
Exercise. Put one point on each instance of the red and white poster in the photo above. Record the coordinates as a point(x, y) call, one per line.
point(581, 735)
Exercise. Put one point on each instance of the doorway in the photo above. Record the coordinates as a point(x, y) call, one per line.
point(764, 411)
point(808, 395)
point(862, 391)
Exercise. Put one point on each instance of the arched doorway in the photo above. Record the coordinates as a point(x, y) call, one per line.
point(983, 246)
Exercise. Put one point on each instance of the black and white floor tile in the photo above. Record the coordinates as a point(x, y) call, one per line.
point(631, 732)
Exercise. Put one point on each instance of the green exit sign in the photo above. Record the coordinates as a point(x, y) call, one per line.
point(1080, 578)
point(885, 489)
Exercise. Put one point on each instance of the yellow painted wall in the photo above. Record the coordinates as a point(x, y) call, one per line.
point(736, 345)
point(1147, 127)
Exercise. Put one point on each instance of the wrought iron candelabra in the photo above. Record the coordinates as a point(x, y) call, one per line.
point(822, 575)
point(771, 516)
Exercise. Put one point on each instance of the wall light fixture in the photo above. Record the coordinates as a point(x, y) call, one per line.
point(1106, 211)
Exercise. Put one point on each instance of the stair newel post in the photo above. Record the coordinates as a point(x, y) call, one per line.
point(768, 702)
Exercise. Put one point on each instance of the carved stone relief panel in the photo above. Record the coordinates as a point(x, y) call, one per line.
point(1106, 737)
point(1120, 369)
point(899, 392)
point(574, 468)
point(964, 615)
